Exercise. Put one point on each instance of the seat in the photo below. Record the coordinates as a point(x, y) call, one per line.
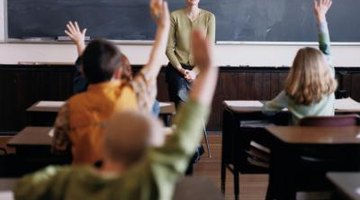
point(312, 164)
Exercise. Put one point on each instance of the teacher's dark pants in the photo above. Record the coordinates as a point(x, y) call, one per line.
point(178, 86)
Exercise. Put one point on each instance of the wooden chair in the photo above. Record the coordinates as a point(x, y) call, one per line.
point(312, 164)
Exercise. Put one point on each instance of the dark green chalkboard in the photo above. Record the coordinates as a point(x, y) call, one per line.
point(237, 20)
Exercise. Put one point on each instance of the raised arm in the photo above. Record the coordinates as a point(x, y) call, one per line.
point(144, 84)
point(160, 13)
point(76, 35)
point(172, 159)
point(321, 7)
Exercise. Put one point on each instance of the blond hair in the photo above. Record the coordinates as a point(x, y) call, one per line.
point(128, 134)
point(309, 78)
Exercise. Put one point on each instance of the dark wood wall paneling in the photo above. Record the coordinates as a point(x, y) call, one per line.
point(21, 86)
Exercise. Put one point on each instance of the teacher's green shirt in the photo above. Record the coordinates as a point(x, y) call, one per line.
point(179, 43)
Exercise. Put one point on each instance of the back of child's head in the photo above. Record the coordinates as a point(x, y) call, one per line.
point(100, 60)
point(310, 77)
point(128, 135)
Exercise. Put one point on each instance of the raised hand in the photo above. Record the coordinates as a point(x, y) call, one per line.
point(202, 50)
point(321, 7)
point(76, 35)
point(74, 32)
point(160, 12)
point(203, 87)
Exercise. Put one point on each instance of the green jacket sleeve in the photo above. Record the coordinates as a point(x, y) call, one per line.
point(173, 158)
point(40, 185)
point(325, 44)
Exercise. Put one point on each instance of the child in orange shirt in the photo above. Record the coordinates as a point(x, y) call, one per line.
point(79, 125)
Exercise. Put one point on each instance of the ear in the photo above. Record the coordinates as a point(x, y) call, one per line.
point(117, 74)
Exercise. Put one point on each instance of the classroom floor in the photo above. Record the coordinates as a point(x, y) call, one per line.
point(252, 187)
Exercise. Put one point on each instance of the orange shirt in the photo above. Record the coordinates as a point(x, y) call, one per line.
point(87, 113)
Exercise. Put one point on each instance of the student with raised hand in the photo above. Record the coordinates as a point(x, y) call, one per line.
point(310, 84)
point(80, 81)
point(79, 125)
point(137, 162)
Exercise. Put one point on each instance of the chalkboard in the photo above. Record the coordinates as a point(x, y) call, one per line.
point(237, 20)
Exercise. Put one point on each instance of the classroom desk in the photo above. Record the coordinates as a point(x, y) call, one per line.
point(32, 140)
point(288, 144)
point(43, 113)
point(347, 184)
point(244, 121)
point(195, 188)
point(37, 141)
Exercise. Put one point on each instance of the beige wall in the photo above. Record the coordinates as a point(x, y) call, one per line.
point(259, 54)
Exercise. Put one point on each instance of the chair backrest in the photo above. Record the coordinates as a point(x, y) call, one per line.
point(337, 120)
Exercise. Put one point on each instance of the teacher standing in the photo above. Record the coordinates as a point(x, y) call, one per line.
point(181, 70)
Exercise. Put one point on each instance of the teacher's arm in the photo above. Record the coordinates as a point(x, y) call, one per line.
point(211, 31)
point(171, 45)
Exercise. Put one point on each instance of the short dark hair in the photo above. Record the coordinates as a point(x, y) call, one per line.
point(100, 60)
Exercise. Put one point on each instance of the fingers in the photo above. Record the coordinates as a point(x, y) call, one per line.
point(156, 8)
point(330, 3)
point(165, 9)
point(70, 26)
point(68, 33)
point(73, 28)
point(325, 3)
point(77, 27)
point(84, 32)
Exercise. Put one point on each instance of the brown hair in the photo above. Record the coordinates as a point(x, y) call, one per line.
point(126, 67)
point(310, 77)
point(101, 59)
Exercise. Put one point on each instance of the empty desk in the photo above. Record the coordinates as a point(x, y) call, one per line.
point(32, 140)
point(287, 154)
point(347, 184)
point(43, 113)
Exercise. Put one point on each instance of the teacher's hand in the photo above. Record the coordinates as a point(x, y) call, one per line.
point(190, 75)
